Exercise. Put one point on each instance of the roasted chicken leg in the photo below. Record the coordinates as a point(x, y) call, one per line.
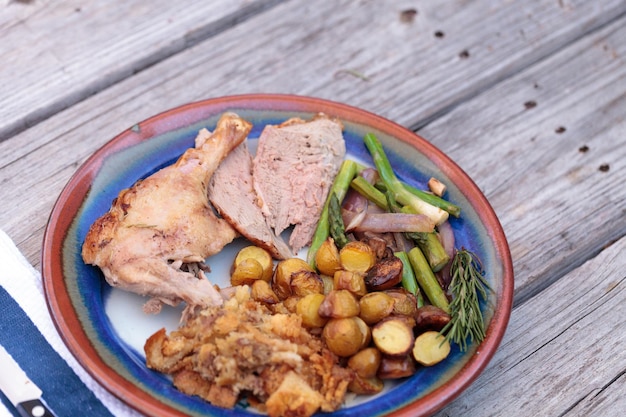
point(165, 222)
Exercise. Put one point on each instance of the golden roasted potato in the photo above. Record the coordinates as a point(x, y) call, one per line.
point(378, 245)
point(396, 367)
point(246, 272)
point(307, 308)
point(357, 256)
point(385, 274)
point(306, 282)
point(344, 336)
point(327, 258)
point(351, 281)
point(260, 255)
point(405, 302)
point(339, 304)
point(365, 362)
point(366, 386)
point(366, 331)
point(262, 292)
point(393, 336)
point(375, 306)
point(430, 348)
point(281, 281)
point(429, 317)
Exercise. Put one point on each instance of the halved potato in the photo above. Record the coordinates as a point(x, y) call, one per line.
point(393, 336)
point(430, 348)
point(260, 255)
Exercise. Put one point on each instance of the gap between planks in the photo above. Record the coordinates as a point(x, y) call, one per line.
point(493, 83)
point(198, 35)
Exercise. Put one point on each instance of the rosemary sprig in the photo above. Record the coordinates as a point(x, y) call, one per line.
point(467, 285)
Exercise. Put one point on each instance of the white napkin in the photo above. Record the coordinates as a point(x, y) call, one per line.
point(23, 283)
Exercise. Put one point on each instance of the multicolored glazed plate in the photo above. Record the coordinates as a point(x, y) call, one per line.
point(106, 328)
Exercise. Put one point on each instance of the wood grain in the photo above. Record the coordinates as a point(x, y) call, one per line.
point(558, 359)
point(58, 53)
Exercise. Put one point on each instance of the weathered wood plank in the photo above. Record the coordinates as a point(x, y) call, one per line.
point(548, 148)
point(57, 53)
point(560, 356)
point(274, 52)
point(61, 58)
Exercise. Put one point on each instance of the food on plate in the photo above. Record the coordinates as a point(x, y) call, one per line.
point(163, 223)
point(293, 169)
point(241, 349)
point(393, 336)
point(285, 272)
point(357, 256)
point(257, 255)
point(429, 317)
point(430, 348)
point(291, 336)
point(232, 193)
point(392, 367)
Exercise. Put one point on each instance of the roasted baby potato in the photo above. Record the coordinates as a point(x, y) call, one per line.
point(430, 348)
point(375, 306)
point(385, 274)
point(393, 336)
point(327, 258)
point(365, 362)
point(339, 304)
point(396, 367)
point(429, 317)
point(405, 303)
point(306, 282)
point(357, 256)
point(260, 255)
point(378, 245)
point(344, 337)
point(351, 281)
point(246, 272)
point(262, 292)
point(307, 308)
point(281, 281)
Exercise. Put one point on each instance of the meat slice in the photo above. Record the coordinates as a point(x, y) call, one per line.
point(165, 221)
point(232, 194)
point(293, 170)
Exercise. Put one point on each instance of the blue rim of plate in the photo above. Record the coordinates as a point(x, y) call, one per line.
point(76, 292)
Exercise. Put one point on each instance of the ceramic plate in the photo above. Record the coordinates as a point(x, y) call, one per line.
point(105, 328)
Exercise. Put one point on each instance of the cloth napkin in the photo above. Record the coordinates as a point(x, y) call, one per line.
point(28, 334)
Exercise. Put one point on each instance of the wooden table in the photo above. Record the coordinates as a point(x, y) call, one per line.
point(528, 97)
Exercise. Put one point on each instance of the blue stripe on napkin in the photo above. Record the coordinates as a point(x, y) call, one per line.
point(62, 390)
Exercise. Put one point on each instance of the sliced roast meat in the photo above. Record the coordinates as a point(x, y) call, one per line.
point(232, 195)
point(293, 170)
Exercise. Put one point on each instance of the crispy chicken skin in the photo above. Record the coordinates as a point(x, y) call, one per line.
point(164, 222)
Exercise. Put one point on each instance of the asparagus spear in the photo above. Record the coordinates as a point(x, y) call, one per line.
point(430, 245)
point(367, 190)
point(427, 280)
point(336, 227)
point(393, 184)
point(339, 188)
point(408, 278)
point(432, 199)
point(435, 200)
